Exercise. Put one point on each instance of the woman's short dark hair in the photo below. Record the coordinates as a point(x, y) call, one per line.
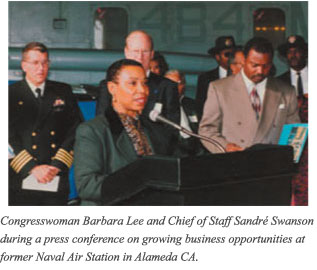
point(114, 69)
point(161, 62)
point(259, 44)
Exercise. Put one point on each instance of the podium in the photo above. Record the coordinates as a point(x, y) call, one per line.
point(260, 175)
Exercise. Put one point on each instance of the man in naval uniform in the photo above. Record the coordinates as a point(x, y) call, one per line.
point(43, 117)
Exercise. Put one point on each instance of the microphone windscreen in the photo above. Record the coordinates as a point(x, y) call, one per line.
point(153, 115)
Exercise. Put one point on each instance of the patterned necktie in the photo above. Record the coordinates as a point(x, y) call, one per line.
point(136, 134)
point(256, 102)
point(299, 85)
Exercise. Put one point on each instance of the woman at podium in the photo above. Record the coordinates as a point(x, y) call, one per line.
point(109, 142)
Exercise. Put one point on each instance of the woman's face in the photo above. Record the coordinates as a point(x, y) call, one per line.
point(130, 92)
point(155, 67)
point(237, 63)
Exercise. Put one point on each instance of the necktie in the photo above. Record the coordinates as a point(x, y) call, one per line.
point(299, 85)
point(256, 103)
point(38, 91)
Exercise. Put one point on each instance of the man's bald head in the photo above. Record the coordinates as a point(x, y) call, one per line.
point(139, 47)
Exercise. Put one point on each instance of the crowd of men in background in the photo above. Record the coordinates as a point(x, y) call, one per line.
point(238, 104)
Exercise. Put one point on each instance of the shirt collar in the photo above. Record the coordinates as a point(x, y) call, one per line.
point(249, 84)
point(222, 72)
point(302, 71)
point(33, 87)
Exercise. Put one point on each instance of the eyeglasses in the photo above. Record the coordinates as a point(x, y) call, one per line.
point(147, 52)
point(38, 63)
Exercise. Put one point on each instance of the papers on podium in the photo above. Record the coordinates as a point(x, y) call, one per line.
point(31, 183)
point(294, 135)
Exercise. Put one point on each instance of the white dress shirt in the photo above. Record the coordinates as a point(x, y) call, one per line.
point(260, 87)
point(33, 87)
point(222, 72)
point(304, 75)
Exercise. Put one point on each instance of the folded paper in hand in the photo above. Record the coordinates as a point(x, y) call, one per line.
point(31, 183)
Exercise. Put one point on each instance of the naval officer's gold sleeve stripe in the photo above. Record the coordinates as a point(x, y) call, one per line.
point(66, 153)
point(18, 157)
point(63, 156)
point(63, 159)
point(19, 168)
point(20, 161)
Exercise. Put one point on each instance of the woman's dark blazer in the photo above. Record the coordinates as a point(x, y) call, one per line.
point(102, 147)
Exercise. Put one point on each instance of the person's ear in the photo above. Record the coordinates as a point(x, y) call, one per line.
point(126, 53)
point(112, 87)
point(23, 66)
point(217, 56)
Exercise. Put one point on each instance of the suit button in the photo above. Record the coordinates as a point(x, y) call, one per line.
point(34, 146)
point(52, 133)
point(33, 134)
point(53, 145)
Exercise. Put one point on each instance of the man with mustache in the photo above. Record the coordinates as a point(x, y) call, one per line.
point(249, 107)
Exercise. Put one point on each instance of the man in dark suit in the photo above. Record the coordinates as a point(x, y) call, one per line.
point(295, 50)
point(43, 117)
point(163, 95)
point(187, 145)
point(224, 46)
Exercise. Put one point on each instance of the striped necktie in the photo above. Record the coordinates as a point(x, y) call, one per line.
point(256, 102)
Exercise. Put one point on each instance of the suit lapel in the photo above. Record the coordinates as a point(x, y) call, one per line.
point(121, 138)
point(28, 97)
point(243, 99)
point(125, 146)
point(270, 106)
point(46, 104)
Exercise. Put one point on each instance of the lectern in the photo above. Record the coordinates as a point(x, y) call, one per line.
point(260, 175)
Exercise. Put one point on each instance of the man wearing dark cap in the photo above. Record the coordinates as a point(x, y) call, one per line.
point(249, 107)
point(224, 46)
point(295, 50)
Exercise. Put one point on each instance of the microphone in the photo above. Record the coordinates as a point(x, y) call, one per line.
point(156, 117)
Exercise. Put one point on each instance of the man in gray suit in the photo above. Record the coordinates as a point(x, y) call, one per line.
point(249, 107)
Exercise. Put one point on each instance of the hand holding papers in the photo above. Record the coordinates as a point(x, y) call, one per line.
point(31, 183)
point(42, 178)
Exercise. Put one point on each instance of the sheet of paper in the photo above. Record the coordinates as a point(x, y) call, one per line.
point(31, 183)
